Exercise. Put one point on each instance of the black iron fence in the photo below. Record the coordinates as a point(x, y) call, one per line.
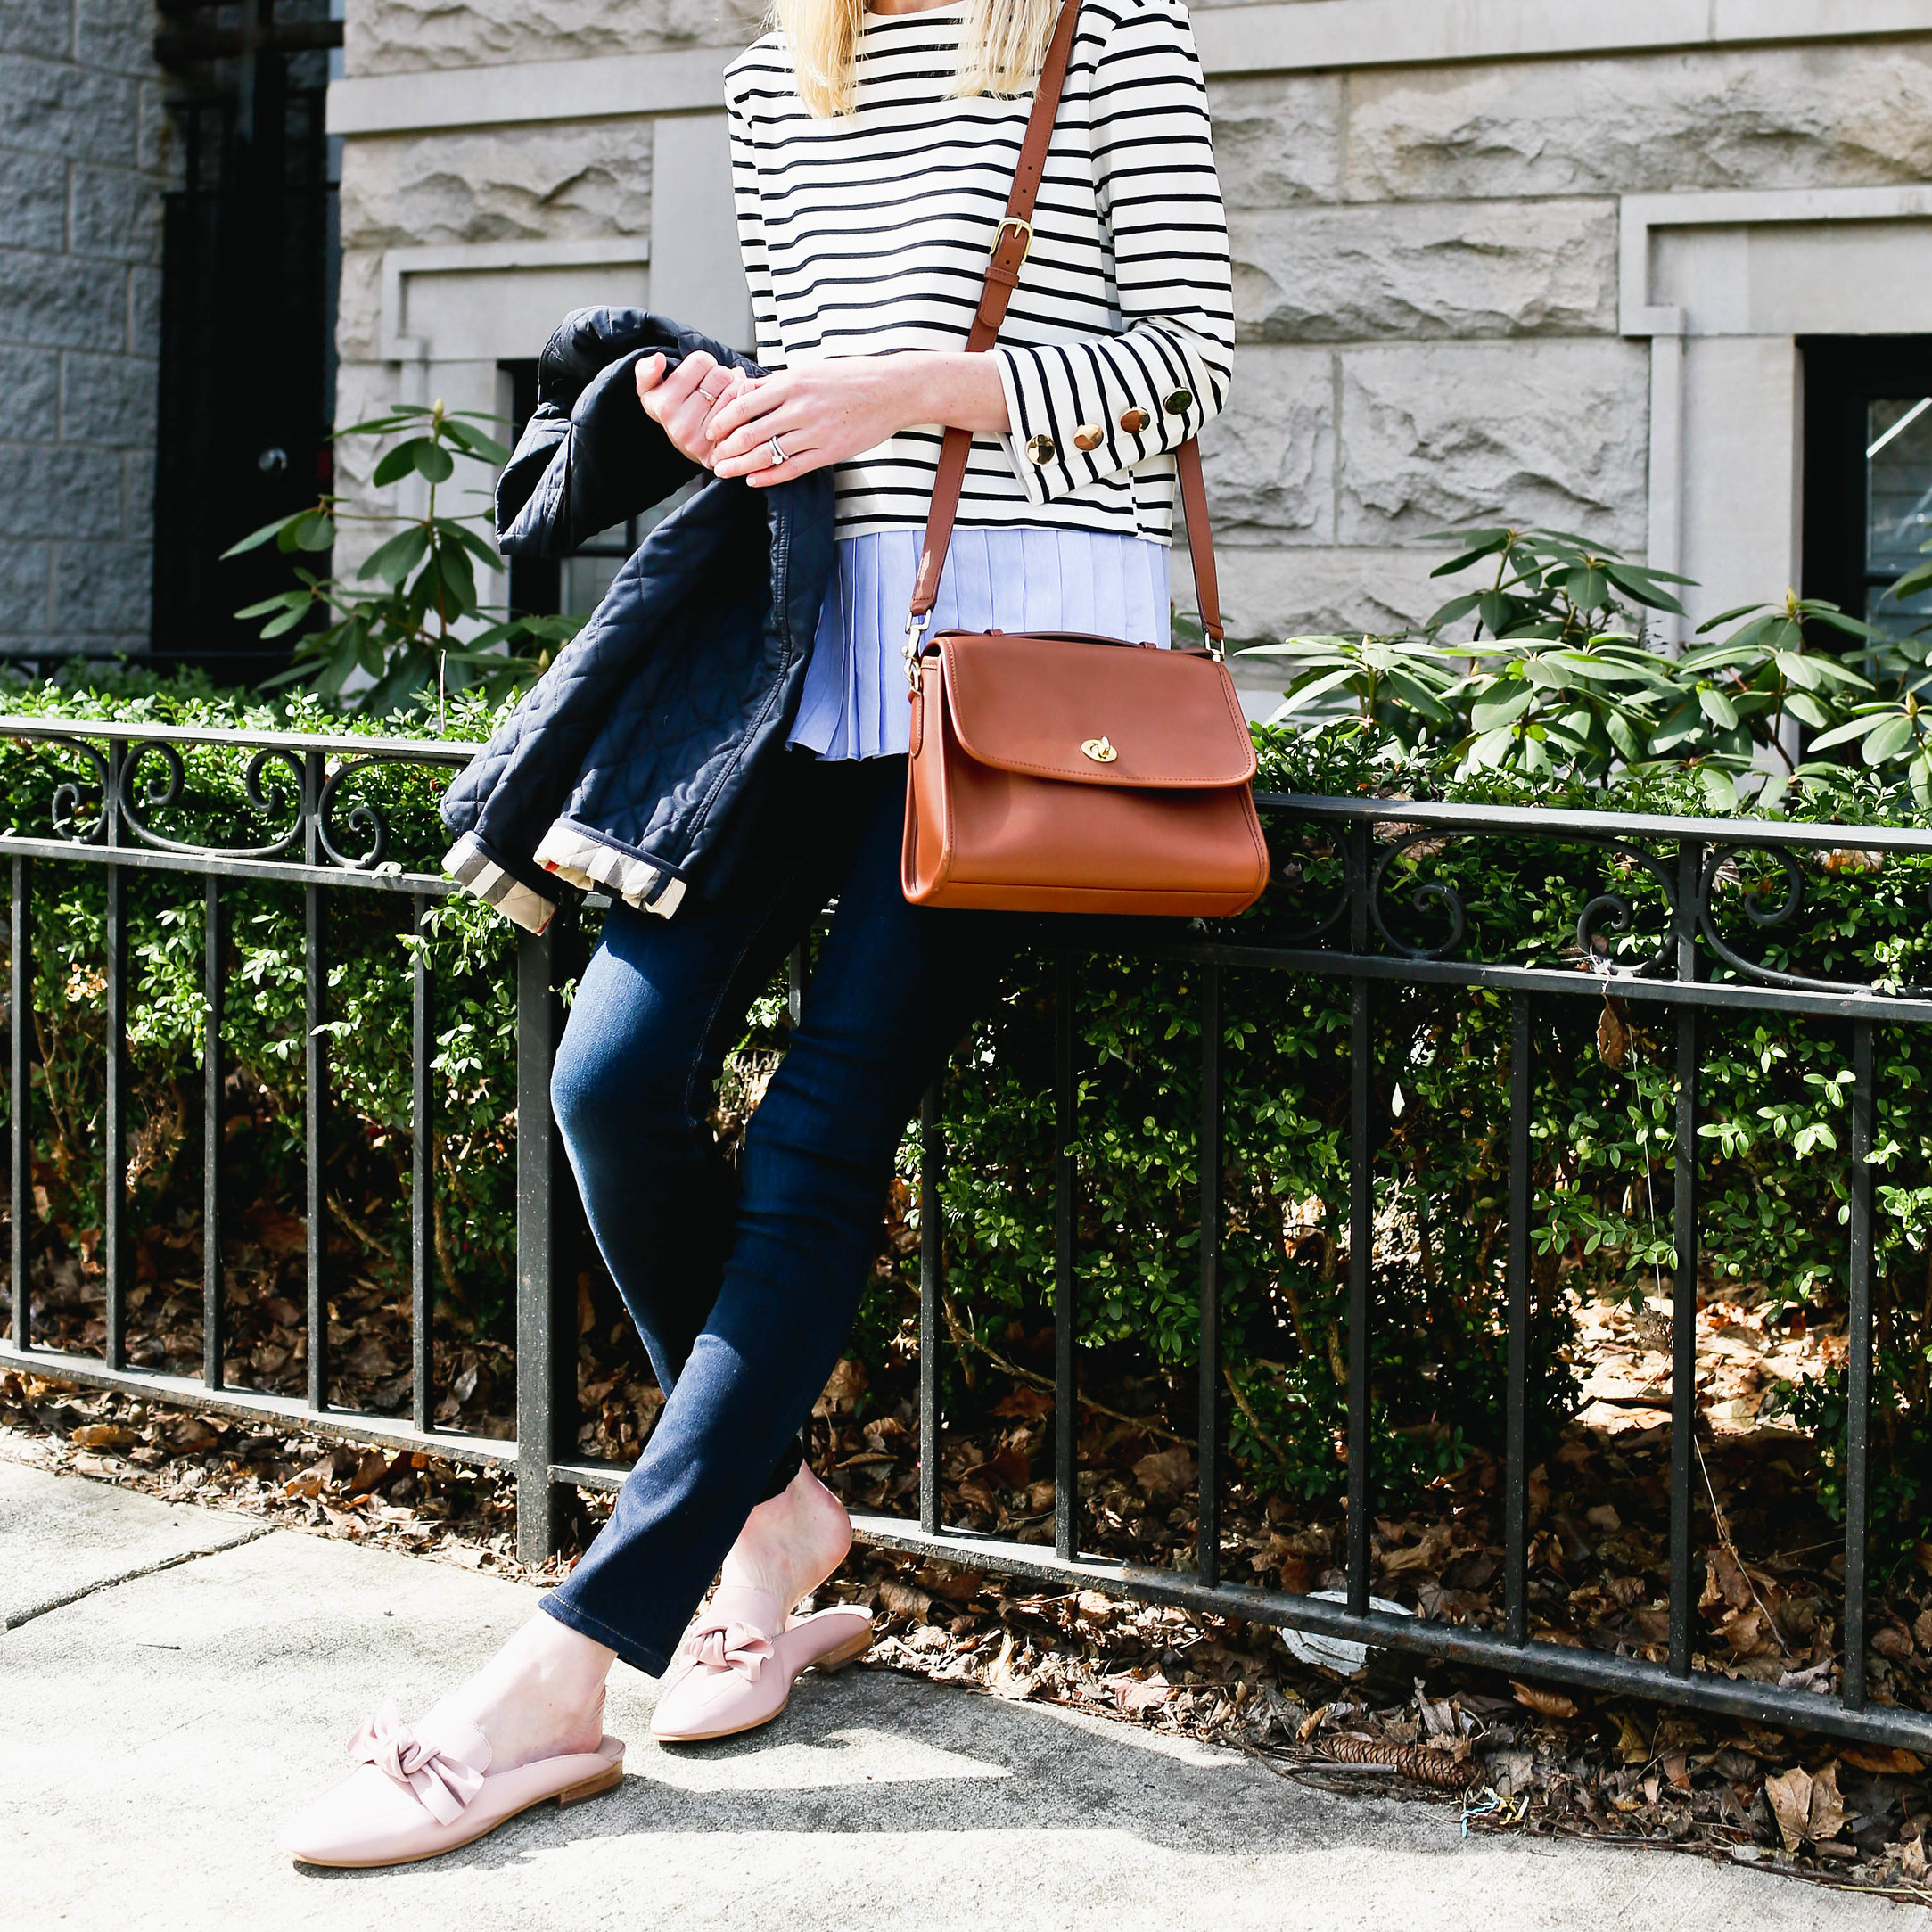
point(130, 775)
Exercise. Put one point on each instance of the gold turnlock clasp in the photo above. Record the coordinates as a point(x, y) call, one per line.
point(1024, 227)
point(1099, 750)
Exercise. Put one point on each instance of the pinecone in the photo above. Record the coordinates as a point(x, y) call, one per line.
point(1417, 1761)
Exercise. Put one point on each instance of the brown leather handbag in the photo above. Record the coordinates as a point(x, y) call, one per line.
point(1052, 772)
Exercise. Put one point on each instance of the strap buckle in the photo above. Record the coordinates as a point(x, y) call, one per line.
point(1000, 234)
point(917, 627)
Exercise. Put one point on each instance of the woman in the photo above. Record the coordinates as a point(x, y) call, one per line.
point(871, 154)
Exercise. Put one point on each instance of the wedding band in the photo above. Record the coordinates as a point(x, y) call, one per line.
point(778, 452)
point(710, 395)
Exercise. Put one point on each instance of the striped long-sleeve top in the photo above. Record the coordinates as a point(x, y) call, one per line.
point(869, 232)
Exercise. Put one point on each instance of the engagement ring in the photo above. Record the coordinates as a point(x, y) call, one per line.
point(778, 452)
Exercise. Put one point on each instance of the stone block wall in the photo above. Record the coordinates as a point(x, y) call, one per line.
point(83, 164)
point(1426, 259)
point(1426, 287)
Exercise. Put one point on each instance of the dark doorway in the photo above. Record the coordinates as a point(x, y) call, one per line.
point(249, 256)
point(1868, 472)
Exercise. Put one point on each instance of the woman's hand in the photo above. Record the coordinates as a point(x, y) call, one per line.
point(829, 412)
point(682, 403)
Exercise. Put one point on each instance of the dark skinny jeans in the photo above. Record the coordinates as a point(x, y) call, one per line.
point(745, 1308)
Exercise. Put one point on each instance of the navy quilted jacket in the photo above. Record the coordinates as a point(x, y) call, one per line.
point(627, 764)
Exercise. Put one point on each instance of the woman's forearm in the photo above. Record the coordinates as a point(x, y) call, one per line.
point(830, 411)
point(960, 389)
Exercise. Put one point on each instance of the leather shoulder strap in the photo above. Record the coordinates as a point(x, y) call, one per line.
point(1014, 238)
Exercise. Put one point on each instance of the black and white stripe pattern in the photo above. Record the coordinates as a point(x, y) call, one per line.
point(870, 233)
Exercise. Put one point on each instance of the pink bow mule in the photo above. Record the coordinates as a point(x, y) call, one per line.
point(738, 1663)
point(413, 1797)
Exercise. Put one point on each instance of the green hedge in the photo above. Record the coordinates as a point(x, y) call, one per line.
point(1774, 1093)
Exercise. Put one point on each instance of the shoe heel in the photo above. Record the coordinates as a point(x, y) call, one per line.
point(604, 1780)
point(850, 1654)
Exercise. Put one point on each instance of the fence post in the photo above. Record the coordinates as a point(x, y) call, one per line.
point(422, 1176)
point(545, 1346)
point(932, 1285)
point(1207, 1523)
point(1360, 1227)
point(21, 1021)
point(316, 1087)
point(1684, 1282)
point(213, 1312)
point(1858, 1368)
point(1065, 1289)
point(114, 1207)
point(1516, 1414)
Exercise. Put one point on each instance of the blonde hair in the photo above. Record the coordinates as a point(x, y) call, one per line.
point(1002, 43)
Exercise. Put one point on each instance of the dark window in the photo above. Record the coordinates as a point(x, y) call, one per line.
point(578, 583)
point(1868, 472)
point(248, 315)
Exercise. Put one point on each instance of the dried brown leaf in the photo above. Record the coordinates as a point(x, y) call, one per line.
point(902, 1601)
point(1422, 1556)
point(102, 1436)
point(847, 1384)
point(1613, 1036)
point(1544, 1703)
point(1882, 1760)
point(1164, 1472)
point(1790, 1797)
point(1724, 1582)
point(1024, 1402)
point(1133, 1694)
point(1828, 1808)
point(1632, 1741)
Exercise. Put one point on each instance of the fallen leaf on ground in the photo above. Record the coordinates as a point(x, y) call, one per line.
point(1828, 1808)
point(847, 1384)
point(1423, 1556)
point(1544, 1703)
point(103, 1436)
point(1882, 1760)
point(1132, 1695)
point(1025, 1403)
point(1790, 1797)
point(1911, 1857)
point(902, 1601)
point(1165, 1472)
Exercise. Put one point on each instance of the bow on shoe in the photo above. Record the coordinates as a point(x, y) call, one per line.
point(444, 1778)
point(732, 1646)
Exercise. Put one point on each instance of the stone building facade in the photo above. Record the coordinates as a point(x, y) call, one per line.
point(1608, 268)
point(83, 159)
point(1521, 259)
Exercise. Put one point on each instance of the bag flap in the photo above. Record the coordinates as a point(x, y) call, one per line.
point(1093, 714)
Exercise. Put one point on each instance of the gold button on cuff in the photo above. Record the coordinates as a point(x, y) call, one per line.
point(1041, 449)
point(1133, 421)
point(1088, 437)
point(1179, 403)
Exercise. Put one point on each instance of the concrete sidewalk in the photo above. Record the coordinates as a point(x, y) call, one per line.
point(154, 1729)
